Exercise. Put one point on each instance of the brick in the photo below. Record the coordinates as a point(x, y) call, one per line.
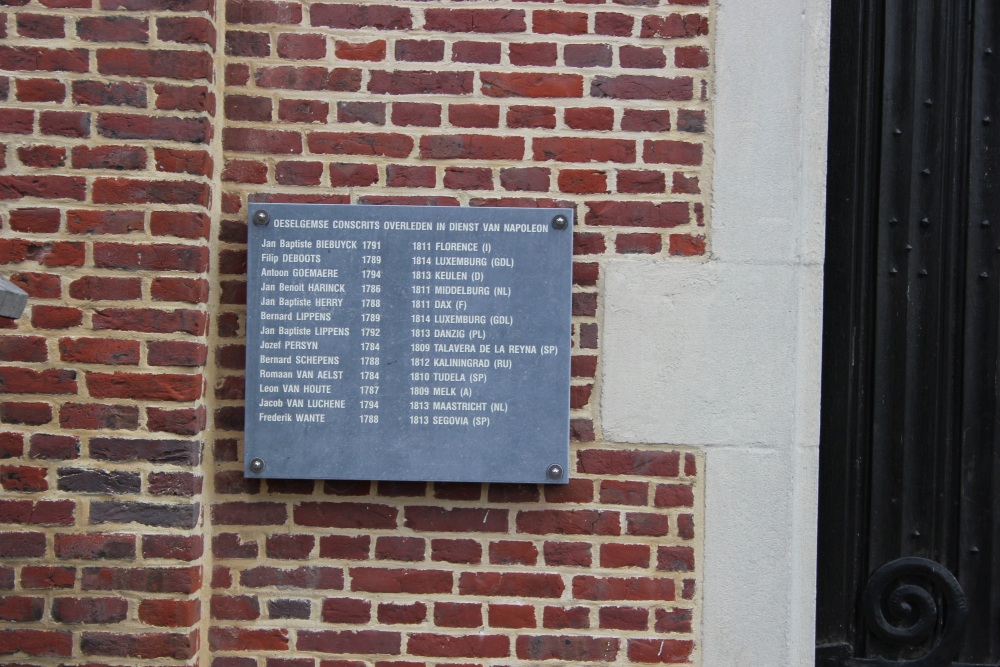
point(32, 414)
point(420, 114)
point(674, 495)
point(623, 618)
point(568, 522)
point(533, 54)
point(46, 577)
point(629, 462)
point(22, 545)
point(576, 649)
point(394, 614)
point(587, 55)
point(78, 480)
point(23, 348)
point(472, 147)
point(43, 157)
point(576, 491)
point(592, 118)
point(183, 98)
point(365, 51)
point(538, 85)
point(241, 43)
point(27, 381)
point(381, 580)
point(174, 484)
point(186, 30)
point(109, 157)
point(622, 588)
point(363, 642)
point(685, 526)
point(287, 77)
point(165, 63)
point(147, 646)
point(582, 181)
point(26, 479)
point(298, 173)
point(456, 551)
point(451, 646)
point(131, 126)
point(491, 21)
point(511, 584)
point(345, 515)
point(345, 547)
point(689, 120)
point(97, 416)
point(173, 160)
point(455, 520)
point(244, 171)
point(642, 87)
point(672, 152)
point(247, 140)
point(509, 552)
point(359, 143)
point(289, 608)
point(40, 26)
point(40, 59)
point(169, 613)
point(474, 115)
point(458, 614)
point(674, 25)
point(511, 616)
point(652, 182)
point(151, 320)
point(249, 513)
point(419, 50)
point(642, 57)
point(321, 578)
point(109, 93)
point(128, 191)
point(21, 609)
point(580, 149)
point(675, 559)
point(303, 111)
point(354, 17)
point(407, 549)
point(673, 620)
point(112, 29)
point(559, 618)
point(638, 243)
point(420, 83)
point(624, 555)
point(147, 514)
point(346, 610)
point(637, 214)
point(290, 547)
point(144, 386)
point(39, 90)
point(11, 445)
point(660, 650)
point(361, 112)
point(89, 610)
point(486, 53)
point(231, 545)
point(615, 492)
point(36, 642)
point(54, 447)
point(105, 222)
point(525, 179)
point(471, 178)
point(146, 579)
point(44, 187)
point(171, 451)
point(256, 12)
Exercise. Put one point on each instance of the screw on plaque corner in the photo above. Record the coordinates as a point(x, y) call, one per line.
point(560, 222)
point(257, 466)
point(261, 217)
point(555, 471)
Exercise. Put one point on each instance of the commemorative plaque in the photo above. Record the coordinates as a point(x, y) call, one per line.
point(415, 343)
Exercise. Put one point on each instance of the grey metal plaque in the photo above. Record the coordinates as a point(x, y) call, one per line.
point(408, 343)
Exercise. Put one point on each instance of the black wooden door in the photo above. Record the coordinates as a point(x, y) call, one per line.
point(909, 532)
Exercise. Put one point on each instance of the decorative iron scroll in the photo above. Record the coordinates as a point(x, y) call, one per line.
point(906, 602)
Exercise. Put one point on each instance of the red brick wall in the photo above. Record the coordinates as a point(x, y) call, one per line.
point(106, 113)
point(127, 531)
